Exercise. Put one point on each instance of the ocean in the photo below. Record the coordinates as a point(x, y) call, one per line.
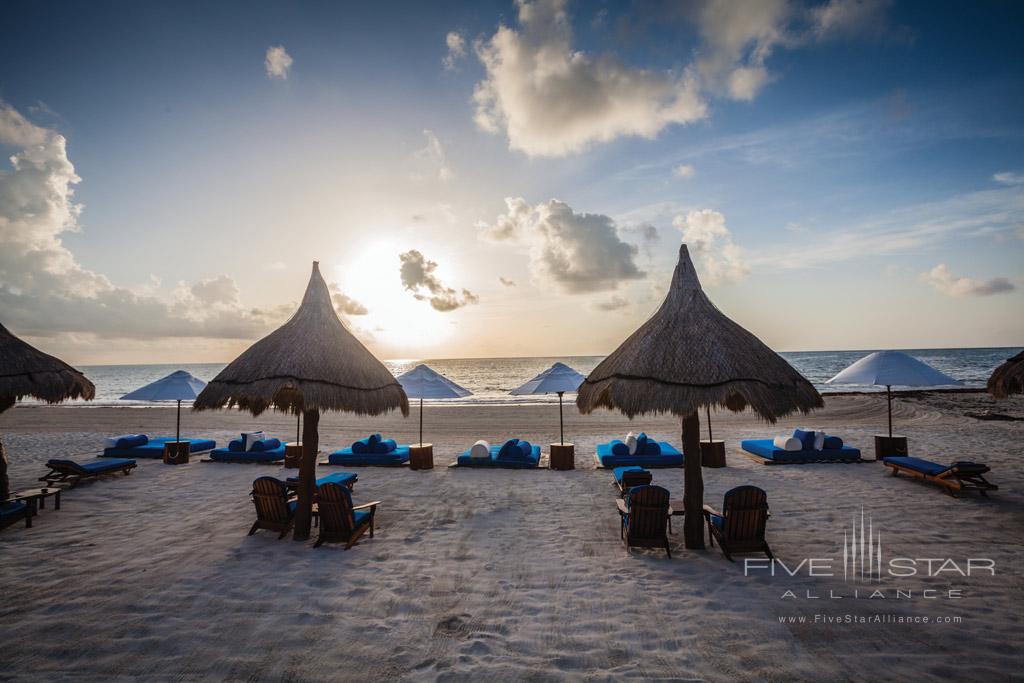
point(490, 379)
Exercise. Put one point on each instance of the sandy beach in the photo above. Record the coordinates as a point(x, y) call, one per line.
point(505, 575)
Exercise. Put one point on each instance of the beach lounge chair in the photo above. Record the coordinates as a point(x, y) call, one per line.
point(275, 509)
point(960, 476)
point(766, 452)
point(71, 473)
point(649, 453)
point(347, 479)
point(514, 454)
point(374, 450)
point(154, 448)
point(266, 451)
point(12, 511)
point(340, 521)
point(739, 528)
point(628, 477)
point(645, 515)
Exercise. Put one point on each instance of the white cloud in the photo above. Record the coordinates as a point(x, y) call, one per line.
point(710, 241)
point(577, 252)
point(848, 18)
point(278, 62)
point(430, 161)
point(943, 280)
point(614, 303)
point(1008, 178)
point(344, 304)
point(456, 45)
point(685, 171)
point(551, 99)
point(419, 277)
point(45, 291)
point(506, 281)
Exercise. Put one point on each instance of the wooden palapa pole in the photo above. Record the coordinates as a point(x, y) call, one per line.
point(693, 484)
point(307, 474)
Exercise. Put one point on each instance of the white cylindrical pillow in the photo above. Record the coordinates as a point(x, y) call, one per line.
point(819, 440)
point(481, 450)
point(249, 438)
point(631, 443)
point(787, 443)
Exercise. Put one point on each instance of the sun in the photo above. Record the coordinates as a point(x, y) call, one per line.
point(394, 318)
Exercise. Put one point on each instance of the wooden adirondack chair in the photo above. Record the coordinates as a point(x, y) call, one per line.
point(740, 528)
point(645, 514)
point(275, 511)
point(340, 521)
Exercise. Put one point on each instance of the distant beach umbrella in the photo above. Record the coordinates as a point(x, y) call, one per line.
point(889, 369)
point(178, 386)
point(422, 382)
point(27, 371)
point(689, 355)
point(558, 379)
point(1008, 378)
point(310, 364)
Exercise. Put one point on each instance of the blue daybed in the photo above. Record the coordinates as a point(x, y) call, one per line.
point(765, 450)
point(649, 453)
point(268, 450)
point(154, 448)
point(513, 454)
point(371, 451)
point(340, 478)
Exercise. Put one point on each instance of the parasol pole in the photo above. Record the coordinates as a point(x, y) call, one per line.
point(888, 396)
point(561, 423)
point(177, 435)
point(421, 420)
point(710, 435)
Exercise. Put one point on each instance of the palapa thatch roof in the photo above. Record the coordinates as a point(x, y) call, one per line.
point(310, 363)
point(27, 371)
point(690, 355)
point(1008, 378)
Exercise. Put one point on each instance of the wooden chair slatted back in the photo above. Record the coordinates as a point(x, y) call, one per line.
point(745, 514)
point(270, 496)
point(335, 504)
point(648, 512)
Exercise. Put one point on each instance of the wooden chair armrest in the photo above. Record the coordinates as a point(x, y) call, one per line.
point(623, 510)
point(708, 510)
point(372, 504)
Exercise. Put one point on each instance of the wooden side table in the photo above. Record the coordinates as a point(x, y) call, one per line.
point(712, 453)
point(292, 454)
point(421, 456)
point(563, 456)
point(177, 452)
point(886, 445)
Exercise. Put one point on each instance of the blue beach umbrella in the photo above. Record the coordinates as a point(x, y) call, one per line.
point(558, 379)
point(422, 382)
point(178, 386)
point(892, 369)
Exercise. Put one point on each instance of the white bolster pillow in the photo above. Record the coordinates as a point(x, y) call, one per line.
point(819, 440)
point(481, 450)
point(788, 443)
point(631, 443)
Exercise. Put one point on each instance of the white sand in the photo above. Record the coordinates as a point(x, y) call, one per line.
point(503, 575)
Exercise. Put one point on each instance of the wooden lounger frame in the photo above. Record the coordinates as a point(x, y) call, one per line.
point(951, 479)
point(73, 473)
point(829, 461)
point(597, 461)
point(745, 514)
point(631, 479)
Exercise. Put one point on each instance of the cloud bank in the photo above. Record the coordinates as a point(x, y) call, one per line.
point(943, 280)
point(418, 276)
point(576, 252)
point(711, 243)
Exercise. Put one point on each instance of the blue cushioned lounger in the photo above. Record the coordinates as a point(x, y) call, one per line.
point(523, 463)
point(346, 457)
point(71, 472)
point(12, 511)
point(225, 455)
point(154, 448)
point(669, 457)
point(340, 478)
point(765, 449)
point(959, 476)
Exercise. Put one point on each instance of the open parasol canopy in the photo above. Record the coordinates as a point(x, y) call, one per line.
point(178, 386)
point(558, 379)
point(423, 382)
point(689, 355)
point(310, 364)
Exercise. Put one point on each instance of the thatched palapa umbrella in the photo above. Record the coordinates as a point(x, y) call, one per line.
point(689, 356)
point(27, 371)
point(1008, 378)
point(310, 364)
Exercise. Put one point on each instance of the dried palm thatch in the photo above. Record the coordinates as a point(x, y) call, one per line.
point(690, 355)
point(1008, 378)
point(310, 363)
point(27, 371)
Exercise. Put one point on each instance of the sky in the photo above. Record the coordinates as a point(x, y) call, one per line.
point(487, 179)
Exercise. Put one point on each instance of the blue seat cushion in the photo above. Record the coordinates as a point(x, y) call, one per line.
point(717, 521)
point(766, 449)
point(12, 509)
point(292, 507)
point(668, 457)
point(918, 464)
point(96, 466)
point(228, 455)
point(339, 478)
point(155, 448)
point(345, 456)
point(360, 516)
point(619, 472)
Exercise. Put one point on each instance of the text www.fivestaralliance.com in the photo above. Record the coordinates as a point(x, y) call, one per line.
point(843, 619)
